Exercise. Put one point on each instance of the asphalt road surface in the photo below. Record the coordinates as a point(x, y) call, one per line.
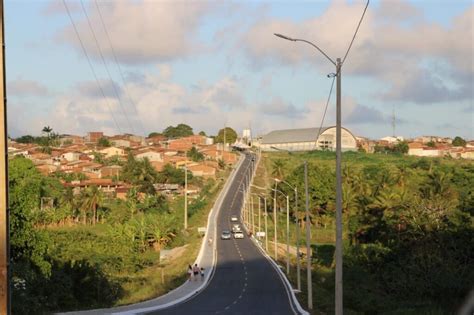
point(244, 282)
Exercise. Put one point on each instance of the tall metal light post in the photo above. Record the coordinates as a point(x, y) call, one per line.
point(186, 192)
point(308, 240)
point(297, 228)
point(275, 237)
point(338, 254)
point(287, 229)
point(4, 228)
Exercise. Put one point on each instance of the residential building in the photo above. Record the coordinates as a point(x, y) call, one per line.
point(110, 171)
point(112, 151)
point(150, 154)
point(93, 136)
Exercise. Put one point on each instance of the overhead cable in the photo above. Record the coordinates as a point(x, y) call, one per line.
point(91, 66)
point(106, 67)
point(119, 67)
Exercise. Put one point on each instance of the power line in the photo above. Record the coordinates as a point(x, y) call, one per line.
point(355, 33)
point(106, 67)
point(119, 67)
point(325, 110)
point(91, 67)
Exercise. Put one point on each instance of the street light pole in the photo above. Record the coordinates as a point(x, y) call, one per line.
point(266, 226)
point(287, 235)
point(308, 241)
point(339, 292)
point(186, 192)
point(297, 228)
point(275, 238)
point(298, 263)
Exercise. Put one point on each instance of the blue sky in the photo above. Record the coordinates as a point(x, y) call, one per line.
point(208, 64)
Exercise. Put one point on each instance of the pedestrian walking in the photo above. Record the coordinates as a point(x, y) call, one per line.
point(202, 274)
point(190, 272)
point(209, 241)
point(196, 271)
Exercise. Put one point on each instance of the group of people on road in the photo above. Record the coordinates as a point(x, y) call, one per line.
point(194, 272)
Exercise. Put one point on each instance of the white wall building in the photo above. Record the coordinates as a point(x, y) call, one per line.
point(307, 139)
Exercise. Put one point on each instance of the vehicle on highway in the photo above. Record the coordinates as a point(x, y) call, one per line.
point(236, 228)
point(226, 235)
point(234, 218)
point(239, 235)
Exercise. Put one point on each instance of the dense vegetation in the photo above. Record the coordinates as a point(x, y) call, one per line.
point(408, 229)
point(85, 251)
point(181, 130)
point(230, 135)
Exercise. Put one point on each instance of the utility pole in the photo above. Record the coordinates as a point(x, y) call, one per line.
point(259, 212)
point(308, 241)
point(287, 235)
point(266, 226)
point(338, 279)
point(4, 229)
point(298, 263)
point(186, 192)
point(275, 237)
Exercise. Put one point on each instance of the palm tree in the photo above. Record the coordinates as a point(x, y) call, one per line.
point(278, 169)
point(47, 130)
point(132, 200)
point(92, 199)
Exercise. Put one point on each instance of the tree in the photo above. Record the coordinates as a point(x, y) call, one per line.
point(154, 134)
point(171, 175)
point(28, 246)
point(26, 139)
point(431, 144)
point(230, 135)
point(181, 130)
point(278, 169)
point(91, 199)
point(459, 142)
point(202, 133)
point(104, 142)
point(195, 155)
point(47, 130)
point(400, 147)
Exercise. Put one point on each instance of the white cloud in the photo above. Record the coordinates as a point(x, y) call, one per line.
point(25, 88)
point(140, 31)
point(392, 43)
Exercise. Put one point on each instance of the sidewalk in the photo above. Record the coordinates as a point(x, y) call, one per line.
point(206, 259)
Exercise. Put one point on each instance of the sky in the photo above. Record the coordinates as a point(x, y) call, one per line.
point(139, 66)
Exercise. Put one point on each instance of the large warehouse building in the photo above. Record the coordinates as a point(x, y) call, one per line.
point(307, 139)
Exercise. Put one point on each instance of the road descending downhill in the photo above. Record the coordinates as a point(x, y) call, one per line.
point(244, 281)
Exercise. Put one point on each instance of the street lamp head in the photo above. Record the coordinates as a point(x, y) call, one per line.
point(285, 37)
point(332, 75)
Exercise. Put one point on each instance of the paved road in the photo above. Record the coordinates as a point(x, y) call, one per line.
point(244, 282)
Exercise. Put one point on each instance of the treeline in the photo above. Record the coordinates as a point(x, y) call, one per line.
point(100, 243)
point(408, 223)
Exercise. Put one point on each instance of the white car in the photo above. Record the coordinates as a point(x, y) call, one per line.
point(238, 235)
point(234, 218)
point(236, 228)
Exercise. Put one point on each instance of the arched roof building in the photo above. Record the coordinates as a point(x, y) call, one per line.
point(306, 139)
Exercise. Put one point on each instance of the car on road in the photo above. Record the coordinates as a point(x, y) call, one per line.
point(234, 218)
point(236, 228)
point(239, 235)
point(226, 235)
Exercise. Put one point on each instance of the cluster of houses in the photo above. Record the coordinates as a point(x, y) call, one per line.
point(425, 146)
point(78, 155)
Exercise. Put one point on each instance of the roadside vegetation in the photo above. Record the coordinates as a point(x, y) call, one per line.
point(408, 229)
point(89, 250)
